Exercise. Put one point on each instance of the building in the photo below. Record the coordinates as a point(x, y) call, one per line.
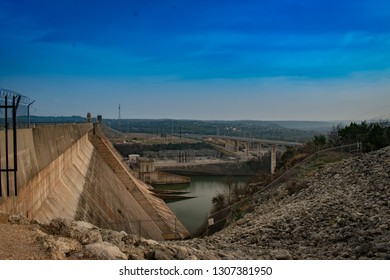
point(145, 170)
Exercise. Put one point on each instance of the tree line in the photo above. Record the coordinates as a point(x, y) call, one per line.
point(371, 135)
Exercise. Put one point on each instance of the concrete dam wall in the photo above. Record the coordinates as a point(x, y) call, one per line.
point(68, 171)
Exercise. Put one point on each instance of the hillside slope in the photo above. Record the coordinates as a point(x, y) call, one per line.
point(343, 213)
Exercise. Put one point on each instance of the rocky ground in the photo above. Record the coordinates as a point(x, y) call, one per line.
point(339, 212)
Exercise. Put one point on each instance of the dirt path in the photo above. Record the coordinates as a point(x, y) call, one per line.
point(19, 242)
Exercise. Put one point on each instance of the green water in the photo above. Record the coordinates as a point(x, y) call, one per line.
point(193, 212)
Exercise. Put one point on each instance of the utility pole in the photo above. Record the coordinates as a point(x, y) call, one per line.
point(28, 113)
point(119, 118)
point(172, 132)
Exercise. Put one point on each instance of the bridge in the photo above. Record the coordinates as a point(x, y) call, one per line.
point(73, 171)
point(234, 143)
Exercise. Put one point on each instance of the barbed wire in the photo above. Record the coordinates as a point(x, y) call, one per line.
point(10, 94)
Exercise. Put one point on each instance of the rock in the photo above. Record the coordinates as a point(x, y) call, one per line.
point(149, 242)
point(103, 251)
point(130, 239)
point(163, 254)
point(280, 254)
point(181, 253)
point(18, 219)
point(84, 232)
point(224, 256)
point(134, 254)
point(113, 237)
point(383, 247)
point(362, 249)
point(61, 247)
point(254, 240)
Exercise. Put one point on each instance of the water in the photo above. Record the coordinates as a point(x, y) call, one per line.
point(193, 212)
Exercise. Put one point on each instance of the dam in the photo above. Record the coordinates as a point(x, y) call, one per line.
point(72, 171)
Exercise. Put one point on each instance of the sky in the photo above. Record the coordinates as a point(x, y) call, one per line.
point(209, 60)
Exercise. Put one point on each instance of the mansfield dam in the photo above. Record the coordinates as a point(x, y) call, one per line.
point(72, 171)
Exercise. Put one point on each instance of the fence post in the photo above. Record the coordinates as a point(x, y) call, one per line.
point(175, 229)
point(207, 224)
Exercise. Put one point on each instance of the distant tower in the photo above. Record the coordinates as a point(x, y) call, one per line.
point(89, 117)
point(119, 118)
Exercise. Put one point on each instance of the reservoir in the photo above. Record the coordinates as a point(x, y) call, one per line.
point(193, 212)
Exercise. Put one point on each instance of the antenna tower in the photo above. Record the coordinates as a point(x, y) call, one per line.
point(119, 117)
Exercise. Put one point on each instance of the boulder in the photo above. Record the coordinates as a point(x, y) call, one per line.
point(61, 247)
point(18, 219)
point(84, 232)
point(114, 237)
point(280, 254)
point(103, 251)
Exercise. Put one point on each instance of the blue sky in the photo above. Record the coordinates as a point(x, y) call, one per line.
point(263, 60)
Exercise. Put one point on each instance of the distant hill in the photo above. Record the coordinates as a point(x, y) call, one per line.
point(292, 131)
point(309, 125)
point(280, 130)
point(61, 119)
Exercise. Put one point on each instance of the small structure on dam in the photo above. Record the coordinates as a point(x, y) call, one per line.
point(144, 169)
point(72, 171)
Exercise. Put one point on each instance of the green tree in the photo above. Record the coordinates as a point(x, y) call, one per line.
point(354, 133)
point(319, 141)
point(373, 136)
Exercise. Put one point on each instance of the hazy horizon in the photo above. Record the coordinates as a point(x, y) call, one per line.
point(205, 120)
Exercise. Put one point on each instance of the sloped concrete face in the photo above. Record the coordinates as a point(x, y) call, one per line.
point(155, 208)
point(106, 202)
point(63, 181)
point(63, 175)
point(39, 154)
